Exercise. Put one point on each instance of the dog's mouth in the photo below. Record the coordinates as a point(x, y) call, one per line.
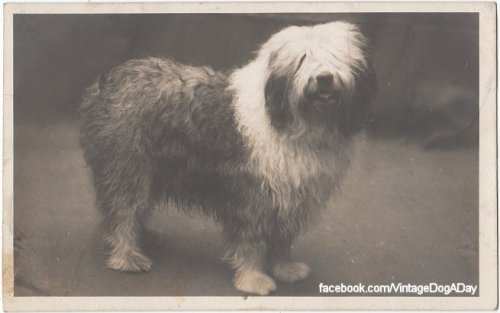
point(327, 96)
point(323, 89)
point(322, 104)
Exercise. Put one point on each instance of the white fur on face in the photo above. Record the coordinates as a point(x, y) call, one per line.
point(336, 47)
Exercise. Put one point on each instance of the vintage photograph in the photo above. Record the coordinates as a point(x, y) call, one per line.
point(321, 155)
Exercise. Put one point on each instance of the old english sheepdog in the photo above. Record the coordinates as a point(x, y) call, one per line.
point(260, 149)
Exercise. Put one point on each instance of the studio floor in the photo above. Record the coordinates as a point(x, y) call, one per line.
point(405, 214)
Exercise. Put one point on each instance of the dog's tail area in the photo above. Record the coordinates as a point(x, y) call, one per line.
point(92, 115)
point(102, 81)
point(92, 93)
point(97, 87)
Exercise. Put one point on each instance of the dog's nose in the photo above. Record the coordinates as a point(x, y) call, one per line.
point(324, 80)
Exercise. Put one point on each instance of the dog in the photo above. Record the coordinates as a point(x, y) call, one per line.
point(260, 149)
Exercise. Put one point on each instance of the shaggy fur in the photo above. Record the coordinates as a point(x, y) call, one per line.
point(261, 149)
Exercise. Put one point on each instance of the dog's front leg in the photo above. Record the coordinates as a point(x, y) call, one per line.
point(282, 266)
point(248, 259)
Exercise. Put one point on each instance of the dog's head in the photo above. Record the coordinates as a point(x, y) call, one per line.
point(318, 76)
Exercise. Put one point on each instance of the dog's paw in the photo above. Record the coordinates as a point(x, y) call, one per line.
point(129, 262)
point(255, 282)
point(290, 272)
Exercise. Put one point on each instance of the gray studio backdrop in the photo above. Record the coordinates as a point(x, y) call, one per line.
point(408, 211)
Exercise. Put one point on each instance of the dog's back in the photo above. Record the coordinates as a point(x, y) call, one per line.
point(155, 121)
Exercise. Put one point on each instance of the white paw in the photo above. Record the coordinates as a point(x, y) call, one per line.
point(290, 272)
point(132, 261)
point(255, 282)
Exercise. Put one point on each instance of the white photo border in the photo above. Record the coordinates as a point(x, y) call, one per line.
point(488, 276)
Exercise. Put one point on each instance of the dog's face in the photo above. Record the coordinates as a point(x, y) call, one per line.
point(318, 76)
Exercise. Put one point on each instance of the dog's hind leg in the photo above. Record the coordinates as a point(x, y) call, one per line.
point(124, 228)
point(248, 260)
point(125, 204)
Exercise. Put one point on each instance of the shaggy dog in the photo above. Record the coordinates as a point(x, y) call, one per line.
point(260, 149)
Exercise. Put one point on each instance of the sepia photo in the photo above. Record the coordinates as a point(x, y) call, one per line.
point(249, 156)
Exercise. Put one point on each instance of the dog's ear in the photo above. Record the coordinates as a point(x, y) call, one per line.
point(362, 101)
point(277, 100)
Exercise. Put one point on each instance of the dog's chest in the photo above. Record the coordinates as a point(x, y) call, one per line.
point(294, 175)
